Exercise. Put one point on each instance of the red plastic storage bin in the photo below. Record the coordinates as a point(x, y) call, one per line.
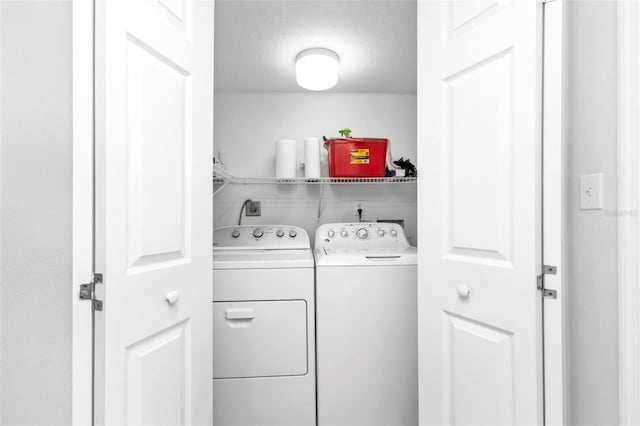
point(357, 157)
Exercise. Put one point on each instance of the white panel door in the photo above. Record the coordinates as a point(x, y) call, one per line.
point(479, 200)
point(154, 133)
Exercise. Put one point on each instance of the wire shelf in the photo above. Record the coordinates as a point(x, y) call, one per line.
point(314, 181)
point(224, 177)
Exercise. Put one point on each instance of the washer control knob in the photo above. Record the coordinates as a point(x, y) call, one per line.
point(293, 233)
point(344, 233)
point(258, 232)
point(381, 233)
point(331, 233)
point(393, 233)
point(280, 233)
point(362, 233)
point(235, 233)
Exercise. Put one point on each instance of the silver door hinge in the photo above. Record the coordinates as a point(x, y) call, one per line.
point(546, 293)
point(88, 292)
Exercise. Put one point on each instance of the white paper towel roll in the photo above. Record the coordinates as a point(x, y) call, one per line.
point(286, 158)
point(312, 157)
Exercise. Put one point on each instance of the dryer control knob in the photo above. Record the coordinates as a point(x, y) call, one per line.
point(258, 232)
point(393, 233)
point(381, 232)
point(280, 233)
point(293, 233)
point(344, 233)
point(362, 233)
point(235, 233)
point(331, 233)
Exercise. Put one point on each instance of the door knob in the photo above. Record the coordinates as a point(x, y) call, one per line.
point(463, 291)
point(172, 297)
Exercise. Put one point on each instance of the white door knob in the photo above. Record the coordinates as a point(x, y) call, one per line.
point(172, 297)
point(463, 291)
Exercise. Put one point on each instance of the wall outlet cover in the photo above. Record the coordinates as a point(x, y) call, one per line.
point(253, 208)
point(591, 191)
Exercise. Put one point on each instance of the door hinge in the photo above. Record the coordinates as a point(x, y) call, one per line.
point(547, 293)
point(88, 292)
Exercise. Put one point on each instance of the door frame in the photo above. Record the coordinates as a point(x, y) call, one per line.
point(82, 211)
point(82, 265)
point(628, 211)
point(554, 197)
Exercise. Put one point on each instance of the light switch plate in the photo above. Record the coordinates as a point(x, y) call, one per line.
point(591, 191)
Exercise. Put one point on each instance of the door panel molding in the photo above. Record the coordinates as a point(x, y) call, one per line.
point(629, 210)
point(494, 380)
point(160, 364)
point(480, 221)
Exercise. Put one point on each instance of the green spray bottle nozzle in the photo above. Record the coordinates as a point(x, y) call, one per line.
point(345, 133)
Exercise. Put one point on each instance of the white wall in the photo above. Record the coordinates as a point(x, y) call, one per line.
point(592, 258)
point(247, 126)
point(35, 323)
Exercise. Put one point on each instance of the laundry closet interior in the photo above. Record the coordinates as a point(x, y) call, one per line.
point(282, 352)
point(258, 102)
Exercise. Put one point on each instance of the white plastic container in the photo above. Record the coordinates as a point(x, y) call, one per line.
point(286, 158)
point(312, 158)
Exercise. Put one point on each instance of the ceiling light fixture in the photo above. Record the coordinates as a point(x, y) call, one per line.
point(317, 68)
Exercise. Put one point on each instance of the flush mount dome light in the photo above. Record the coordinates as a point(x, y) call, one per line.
point(317, 69)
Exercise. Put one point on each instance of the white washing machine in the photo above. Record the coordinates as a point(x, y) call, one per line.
point(366, 325)
point(263, 327)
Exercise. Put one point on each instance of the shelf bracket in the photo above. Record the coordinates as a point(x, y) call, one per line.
point(222, 186)
point(322, 185)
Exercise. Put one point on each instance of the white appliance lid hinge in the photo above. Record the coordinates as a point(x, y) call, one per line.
point(88, 291)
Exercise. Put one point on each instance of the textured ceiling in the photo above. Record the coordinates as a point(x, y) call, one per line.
point(257, 40)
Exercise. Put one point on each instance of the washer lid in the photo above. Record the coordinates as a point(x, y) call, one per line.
point(262, 259)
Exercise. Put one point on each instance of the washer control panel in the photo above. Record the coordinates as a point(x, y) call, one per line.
point(361, 235)
point(265, 237)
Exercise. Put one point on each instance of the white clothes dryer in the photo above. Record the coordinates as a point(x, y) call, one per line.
point(366, 325)
point(263, 327)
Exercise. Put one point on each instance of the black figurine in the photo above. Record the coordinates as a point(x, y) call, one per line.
point(409, 168)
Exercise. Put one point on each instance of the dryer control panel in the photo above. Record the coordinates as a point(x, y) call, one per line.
point(361, 235)
point(260, 237)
